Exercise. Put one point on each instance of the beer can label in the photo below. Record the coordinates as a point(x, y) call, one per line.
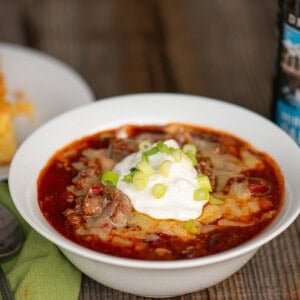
point(288, 105)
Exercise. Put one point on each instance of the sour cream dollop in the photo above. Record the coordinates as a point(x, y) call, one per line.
point(178, 202)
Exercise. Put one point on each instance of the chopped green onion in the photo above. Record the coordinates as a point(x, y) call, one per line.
point(201, 195)
point(165, 167)
point(192, 158)
point(110, 178)
point(216, 201)
point(162, 147)
point(140, 180)
point(192, 226)
point(105, 136)
point(177, 155)
point(158, 190)
point(145, 167)
point(170, 150)
point(204, 183)
point(128, 178)
point(150, 152)
point(145, 146)
point(190, 148)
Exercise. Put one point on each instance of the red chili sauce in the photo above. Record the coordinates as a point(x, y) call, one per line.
point(78, 206)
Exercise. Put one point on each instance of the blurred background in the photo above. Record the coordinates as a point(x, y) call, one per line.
point(221, 49)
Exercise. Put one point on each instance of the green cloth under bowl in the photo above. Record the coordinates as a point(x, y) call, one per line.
point(39, 271)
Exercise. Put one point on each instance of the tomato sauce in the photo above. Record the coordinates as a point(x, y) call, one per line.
point(265, 184)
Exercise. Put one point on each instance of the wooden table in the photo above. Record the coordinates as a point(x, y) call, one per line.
point(221, 49)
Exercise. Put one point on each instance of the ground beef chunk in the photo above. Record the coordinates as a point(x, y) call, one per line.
point(205, 167)
point(120, 148)
point(105, 205)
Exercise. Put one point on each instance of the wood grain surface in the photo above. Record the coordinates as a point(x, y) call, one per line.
point(220, 49)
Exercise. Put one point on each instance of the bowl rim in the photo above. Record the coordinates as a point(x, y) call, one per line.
point(251, 245)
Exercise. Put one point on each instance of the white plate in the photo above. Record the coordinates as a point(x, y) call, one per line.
point(52, 86)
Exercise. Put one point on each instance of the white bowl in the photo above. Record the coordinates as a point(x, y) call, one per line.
point(153, 278)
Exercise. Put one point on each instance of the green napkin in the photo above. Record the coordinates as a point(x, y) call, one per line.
point(40, 271)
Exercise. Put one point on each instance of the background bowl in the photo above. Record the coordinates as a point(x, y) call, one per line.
point(43, 79)
point(152, 278)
